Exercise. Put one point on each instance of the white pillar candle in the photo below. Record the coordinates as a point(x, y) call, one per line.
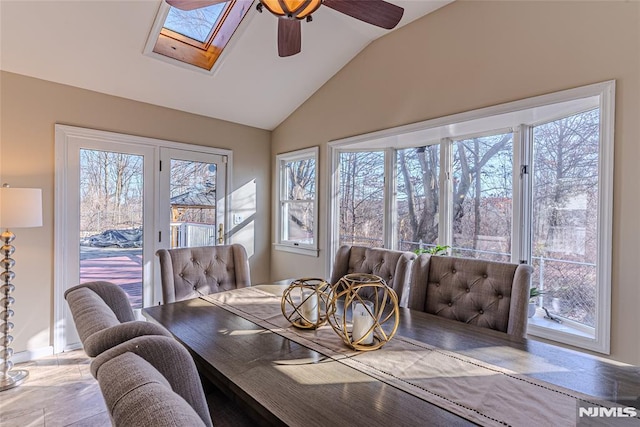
point(310, 306)
point(362, 322)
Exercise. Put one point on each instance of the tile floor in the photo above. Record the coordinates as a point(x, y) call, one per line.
point(59, 391)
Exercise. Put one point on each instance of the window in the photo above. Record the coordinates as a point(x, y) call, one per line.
point(361, 198)
point(297, 211)
point(418, 197)
point(195, 37)
point(565, 212)
point(481, 196)
point(529, 181)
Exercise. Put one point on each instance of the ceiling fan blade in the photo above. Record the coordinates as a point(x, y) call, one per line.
point(192, 4)
point(289, 37)
point(376, 12)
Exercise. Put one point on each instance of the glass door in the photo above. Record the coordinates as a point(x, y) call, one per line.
point(193, 190)
point(120, 198)
point(107, 221)
point(111, 205)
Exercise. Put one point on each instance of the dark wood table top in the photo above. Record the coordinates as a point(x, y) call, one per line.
point(285, 383)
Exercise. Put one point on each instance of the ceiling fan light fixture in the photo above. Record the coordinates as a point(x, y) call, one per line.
point(293, 9)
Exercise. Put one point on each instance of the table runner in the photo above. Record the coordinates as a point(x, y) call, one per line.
point(475, 390)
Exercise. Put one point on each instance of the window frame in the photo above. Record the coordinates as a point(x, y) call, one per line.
point(518, 116)
point(310, 249)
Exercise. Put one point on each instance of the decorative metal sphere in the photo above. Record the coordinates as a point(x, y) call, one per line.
point(6, 353)
point(7, 250)
point(304, 303)
point(6, 314)
point(7, 237)
point(6, 340)
point(7, 276)
point(7, 289)
point(6, 327)
point(8, 365)
point(364, 311)
point(6, 302)
point(7, 263)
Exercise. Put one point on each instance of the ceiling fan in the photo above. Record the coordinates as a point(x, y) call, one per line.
point(290, 12)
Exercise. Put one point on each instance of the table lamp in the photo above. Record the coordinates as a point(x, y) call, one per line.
point(19, 208)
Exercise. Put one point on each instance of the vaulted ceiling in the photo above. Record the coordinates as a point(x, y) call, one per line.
point(98, 45)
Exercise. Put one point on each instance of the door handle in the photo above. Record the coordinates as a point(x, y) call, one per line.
point(220, 233)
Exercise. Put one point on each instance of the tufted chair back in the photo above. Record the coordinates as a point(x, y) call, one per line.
point(103, 317)
point(151, 381)
point(393, 266)
point(489, 294)
point(190, 272)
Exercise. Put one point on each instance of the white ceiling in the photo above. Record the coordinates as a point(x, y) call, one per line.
point(98, 45)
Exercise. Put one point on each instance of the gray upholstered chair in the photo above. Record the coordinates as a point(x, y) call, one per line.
point(151, 381)
point(393, 266)
point(103, 316)
point(190, 272)
point(489, 294)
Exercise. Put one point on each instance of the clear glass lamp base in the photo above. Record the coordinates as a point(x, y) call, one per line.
point(13, 379)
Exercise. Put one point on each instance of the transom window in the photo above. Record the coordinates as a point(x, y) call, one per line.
point(195, 37)
point(525, 182)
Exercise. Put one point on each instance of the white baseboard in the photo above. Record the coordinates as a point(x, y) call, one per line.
point(29, 355)
point(71, 347)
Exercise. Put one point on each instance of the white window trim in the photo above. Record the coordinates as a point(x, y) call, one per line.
point(514, 114)
point(288, 246)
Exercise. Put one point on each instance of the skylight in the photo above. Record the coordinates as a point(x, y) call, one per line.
point(196, 24)
point(196, 37)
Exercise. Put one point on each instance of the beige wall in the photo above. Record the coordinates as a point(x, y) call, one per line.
point(469, 55)
point(31, 108)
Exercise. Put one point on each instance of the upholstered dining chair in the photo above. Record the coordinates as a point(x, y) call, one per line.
point(489, 294)
point(187, 273)
point(104, 318)
point(151, 381)
point(393, 266)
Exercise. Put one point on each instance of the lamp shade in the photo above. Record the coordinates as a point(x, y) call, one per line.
point(298, 9)
point(20, 207)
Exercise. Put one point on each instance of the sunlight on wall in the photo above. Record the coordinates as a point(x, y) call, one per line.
point(243, 210)
point(37, 340)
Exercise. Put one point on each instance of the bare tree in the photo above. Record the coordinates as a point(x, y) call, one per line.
point(565, 202)
point(477, 165)
point(419, 184)
point(566, 179)
point(300, 186)
point(361, 197)
point(110, 190)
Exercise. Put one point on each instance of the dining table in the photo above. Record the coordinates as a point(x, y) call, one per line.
point(433, 370)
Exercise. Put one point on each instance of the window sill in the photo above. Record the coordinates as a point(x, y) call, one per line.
point(540, 322)
point(567, 332)
point(296, 249)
